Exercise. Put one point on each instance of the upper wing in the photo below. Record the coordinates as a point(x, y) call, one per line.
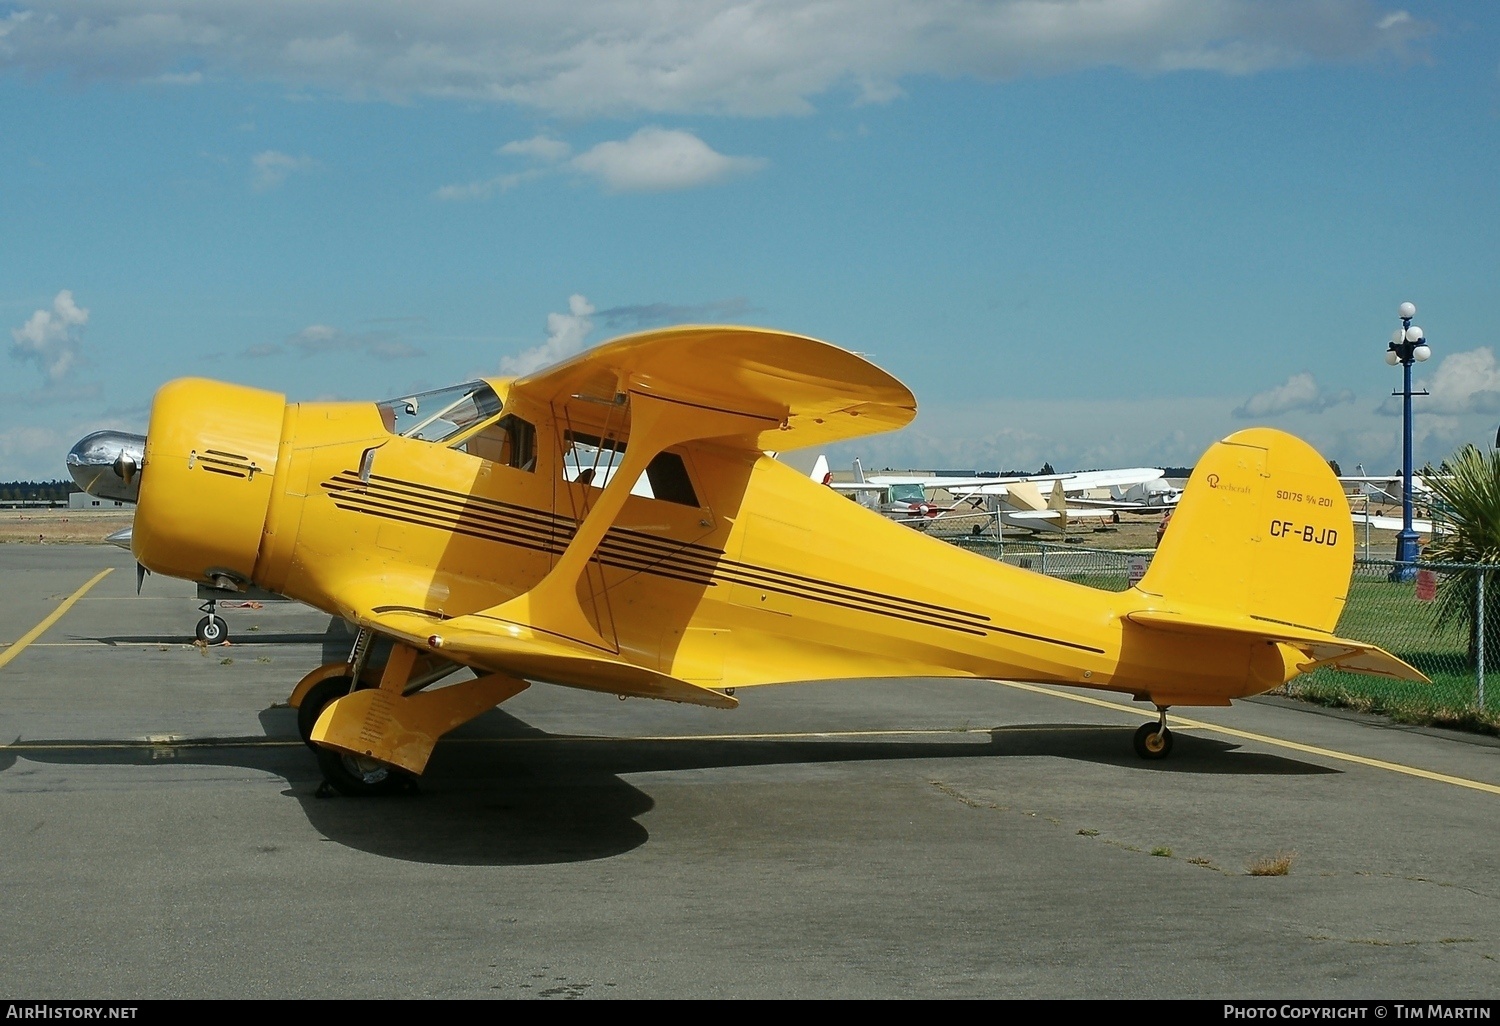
point(1107, 478)
point(801, 391)
point(763, 390)
point(1077, 482)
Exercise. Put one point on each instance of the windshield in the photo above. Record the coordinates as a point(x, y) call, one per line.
point(440, 414)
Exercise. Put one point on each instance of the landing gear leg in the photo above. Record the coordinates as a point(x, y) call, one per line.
point(375, 739)
point(212, 629)
point(355, 776)
point(1154, 740)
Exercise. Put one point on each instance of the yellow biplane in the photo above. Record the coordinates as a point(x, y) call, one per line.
point(614, 523)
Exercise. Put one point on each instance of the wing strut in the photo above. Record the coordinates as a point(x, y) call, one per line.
point(655, 424)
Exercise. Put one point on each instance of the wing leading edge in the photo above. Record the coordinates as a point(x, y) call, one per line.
point(802, 391)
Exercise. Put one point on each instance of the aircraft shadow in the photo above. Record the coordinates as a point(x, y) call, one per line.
point(501, 792)
point(237, 639)
point(334, 641)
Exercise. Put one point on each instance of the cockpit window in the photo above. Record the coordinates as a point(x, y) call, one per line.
point(591, 460)
point(440, 414)
point(510, 442)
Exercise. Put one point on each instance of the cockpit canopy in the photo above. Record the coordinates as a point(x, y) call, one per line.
point(442, 413)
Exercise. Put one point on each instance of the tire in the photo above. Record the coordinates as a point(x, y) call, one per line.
point(318, 696)
point(212, 630)
point(1153, 741)
point(350, 775)
point(357, 777)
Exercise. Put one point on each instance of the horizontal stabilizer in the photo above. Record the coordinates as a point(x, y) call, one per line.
point(1070, 513)
point(1321, 649)
point(534, 655)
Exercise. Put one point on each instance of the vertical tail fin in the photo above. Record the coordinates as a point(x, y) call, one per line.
point(1262, 530)
point(1059, 498)
point(820, 472)
point(1261, 547)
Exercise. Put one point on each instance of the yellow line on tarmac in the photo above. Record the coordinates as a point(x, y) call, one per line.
point(1327, 753)
point(56, 615)
point(804, 735)
point(22, 747)
point(185, 743)
point(1176, 721)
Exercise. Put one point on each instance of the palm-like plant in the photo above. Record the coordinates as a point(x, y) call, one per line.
point(1466, 529)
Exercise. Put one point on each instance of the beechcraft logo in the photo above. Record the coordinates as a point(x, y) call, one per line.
point(1226, 486)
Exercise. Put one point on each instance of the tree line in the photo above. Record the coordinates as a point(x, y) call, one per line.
point(51, 491)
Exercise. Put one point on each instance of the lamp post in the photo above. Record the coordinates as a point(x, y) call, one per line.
point(1407, 346)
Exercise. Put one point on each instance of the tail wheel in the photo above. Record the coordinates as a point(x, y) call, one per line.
point(1153, 741)
point(352, 775)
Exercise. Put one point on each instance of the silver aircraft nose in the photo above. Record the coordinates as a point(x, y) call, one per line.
point(107, 464)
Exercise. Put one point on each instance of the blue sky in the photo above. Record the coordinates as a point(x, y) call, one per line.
point(1090, 232)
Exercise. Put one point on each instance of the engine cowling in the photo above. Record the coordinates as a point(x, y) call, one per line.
point(206, 480)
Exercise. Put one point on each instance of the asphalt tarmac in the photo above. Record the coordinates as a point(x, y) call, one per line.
point(160, 836)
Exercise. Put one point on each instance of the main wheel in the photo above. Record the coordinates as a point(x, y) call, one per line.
point(1153, 741)
point(353, 775)
point(212, 629)
point(318, 696)
point(357, 776)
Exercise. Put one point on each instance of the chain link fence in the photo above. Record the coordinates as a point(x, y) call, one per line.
point(1106, 569)
point(1442, 618)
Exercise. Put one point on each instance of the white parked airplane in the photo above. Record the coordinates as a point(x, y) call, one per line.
point(1012, 501)
point(1386, 490)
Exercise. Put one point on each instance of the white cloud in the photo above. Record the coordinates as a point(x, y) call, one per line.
point(646, 315)
point(52, 339)
point(1463, 383)
point(565, 335)
point(178, 78)
point(34, 453)
point(489, 186)
point(271, 168)
point(316, 339)
point(1299, 393)
point(37, 451)
point(660, 159)
point(542, 147)
point(652, 160)
point(715, 56)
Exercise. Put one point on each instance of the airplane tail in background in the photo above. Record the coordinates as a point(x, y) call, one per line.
point(1058, 503)
point(820, 472)
point(1262, 545)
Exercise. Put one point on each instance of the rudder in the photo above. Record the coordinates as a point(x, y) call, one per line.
point(1262, 530)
